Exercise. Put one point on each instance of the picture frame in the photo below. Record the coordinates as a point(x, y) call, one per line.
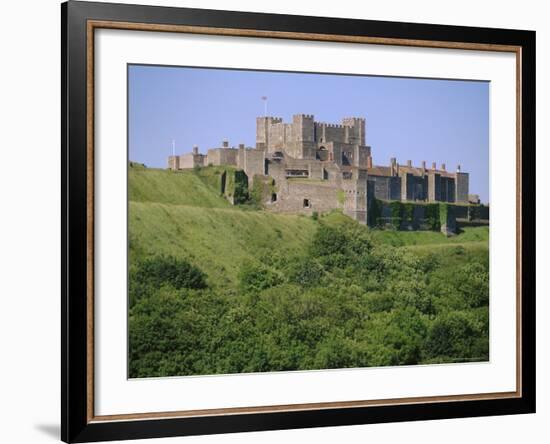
point(79, 179)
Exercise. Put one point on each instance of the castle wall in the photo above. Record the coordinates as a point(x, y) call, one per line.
point(252, 162)
point(462, 187)
point(355, 130)
point(447, 189)
point(174, 162)
point(222, 156)
point(191, 160)
point(407, 185)
point(316, 171)
point(385, 187)
point(355, 196)
point(299, 196)
point(362, 154)
point(279, 136)
point(335, 133)
point(263, 125)
point(434, 187)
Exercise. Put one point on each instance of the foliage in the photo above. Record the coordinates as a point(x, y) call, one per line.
point(341, 197)
point(408, 213)
point(444, 213)
point(170, 270)
point(256, 277)
point(431, 214)
point(396, 214)
point(374, 213)
point(220, 290)
point(236, 186)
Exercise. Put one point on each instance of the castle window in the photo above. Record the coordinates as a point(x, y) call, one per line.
point(274, 197)
point(347, 175)
point(306, 203)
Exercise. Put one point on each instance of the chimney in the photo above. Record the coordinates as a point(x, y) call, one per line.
point(225, 144)
point(369, 162)
point(195, 149)
point(423, 164)
point(393, 163)
point(443, 166)
point(433, 166)
point(241, 146)
point(409, 163)
point(458, 168)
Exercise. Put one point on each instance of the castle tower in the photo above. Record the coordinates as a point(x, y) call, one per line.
point(355, 133)
point(461, 187)
point(303, 136)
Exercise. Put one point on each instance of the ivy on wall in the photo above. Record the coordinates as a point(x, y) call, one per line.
point(236, 186)
point(403, 214)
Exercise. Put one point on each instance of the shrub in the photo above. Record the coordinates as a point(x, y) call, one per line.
point(257, 277)
point(451, 334)
point(472, 281)
point(168, 270)
point(306, 272)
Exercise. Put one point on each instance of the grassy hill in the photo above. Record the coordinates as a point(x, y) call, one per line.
point(218, 289)
point(183, 214)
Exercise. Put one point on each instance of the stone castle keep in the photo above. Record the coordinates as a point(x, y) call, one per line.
point(314, 166)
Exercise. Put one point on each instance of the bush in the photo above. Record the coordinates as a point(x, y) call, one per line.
point(256, 277)
point(451, 334)
point(306, 272)
point(472, 281)
point(168, 270)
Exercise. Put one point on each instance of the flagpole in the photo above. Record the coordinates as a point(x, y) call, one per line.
point(264, 98)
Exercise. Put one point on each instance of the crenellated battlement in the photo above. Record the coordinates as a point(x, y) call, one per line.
point(312, 161)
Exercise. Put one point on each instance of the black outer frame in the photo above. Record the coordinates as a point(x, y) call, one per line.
point(74, 424)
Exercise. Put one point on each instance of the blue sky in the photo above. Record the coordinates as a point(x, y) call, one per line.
point(418, 119)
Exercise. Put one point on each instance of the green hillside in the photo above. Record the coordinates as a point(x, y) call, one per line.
point(183, 214)
point(216, 288)
point(176, 188)
point(217, 240)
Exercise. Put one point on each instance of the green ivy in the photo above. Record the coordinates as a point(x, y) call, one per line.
point(431, 214)
point(375, 213)
point(396, 214)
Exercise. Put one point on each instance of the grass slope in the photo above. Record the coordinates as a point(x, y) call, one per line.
point(177, 188)
point(183, 215)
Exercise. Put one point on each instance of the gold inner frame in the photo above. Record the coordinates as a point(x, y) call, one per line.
point(96, 24)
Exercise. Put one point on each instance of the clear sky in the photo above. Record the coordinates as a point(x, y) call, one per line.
point(439, 121)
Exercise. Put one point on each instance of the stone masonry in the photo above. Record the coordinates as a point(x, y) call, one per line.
point(318, 167)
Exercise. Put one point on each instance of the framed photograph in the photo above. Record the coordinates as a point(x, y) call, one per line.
point(275, 221)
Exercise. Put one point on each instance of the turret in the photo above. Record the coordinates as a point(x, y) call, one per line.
point(356, 131)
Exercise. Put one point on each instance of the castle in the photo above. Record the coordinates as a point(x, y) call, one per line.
point(317, 167)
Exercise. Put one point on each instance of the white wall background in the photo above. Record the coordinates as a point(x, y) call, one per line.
point(30, 219)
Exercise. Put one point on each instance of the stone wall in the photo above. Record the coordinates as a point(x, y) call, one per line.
point(251, 161)
point(191, 160)
point(355, 196)
point(174, 162)
point(222, 156)
point(462, 187)
point(447, 189)
point(385, 187)
point(305, 196)
point(434, 187)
